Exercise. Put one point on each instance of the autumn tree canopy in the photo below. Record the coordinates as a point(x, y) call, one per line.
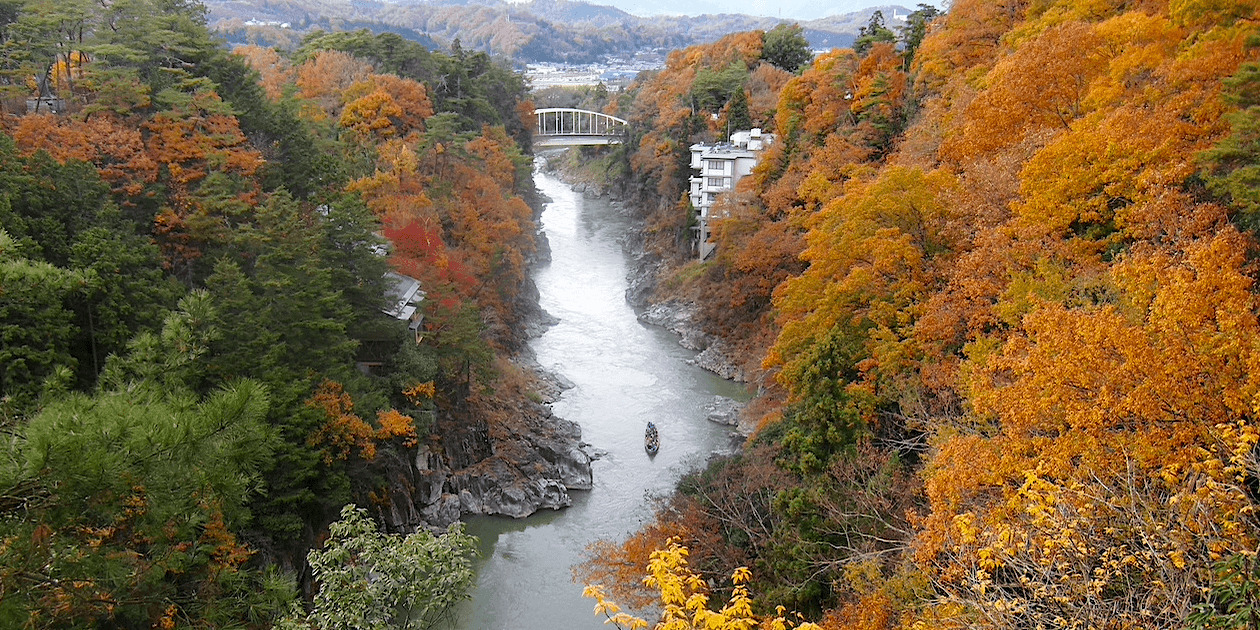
point(998, 274)
point(196, 374)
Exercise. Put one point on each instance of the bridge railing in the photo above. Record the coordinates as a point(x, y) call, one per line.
point(567, 121)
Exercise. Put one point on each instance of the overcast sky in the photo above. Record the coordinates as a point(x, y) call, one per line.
point(785, 9)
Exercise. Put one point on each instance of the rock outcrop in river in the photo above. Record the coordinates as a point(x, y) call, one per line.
point(680, 318)
point(532, 464)
point(527, 464)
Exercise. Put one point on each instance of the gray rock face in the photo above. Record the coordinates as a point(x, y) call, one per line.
point(575, 470)
point(723, 410)
point(469, 503)
point(551, 385)
point(431, 477)
point(672, 315)
point(679, 318)
point(500, 488)
point(715, 359)
point(443, 512)
point(539, 323)
point(513, 468)
point(429, 486)
point(400, 512)
point(534, 463)
point(644, 270)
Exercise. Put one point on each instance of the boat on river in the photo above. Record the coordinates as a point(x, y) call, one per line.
point(651, 440)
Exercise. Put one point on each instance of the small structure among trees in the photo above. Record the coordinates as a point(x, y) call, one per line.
point(45, 101)
point(721, 166)
point(403, 295)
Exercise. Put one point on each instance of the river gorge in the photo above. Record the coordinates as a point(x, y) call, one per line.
point(624, 373)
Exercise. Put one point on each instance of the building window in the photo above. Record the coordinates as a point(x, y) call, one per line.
point(717, 182)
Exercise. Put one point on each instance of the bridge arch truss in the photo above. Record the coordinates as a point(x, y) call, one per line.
point(566, 121)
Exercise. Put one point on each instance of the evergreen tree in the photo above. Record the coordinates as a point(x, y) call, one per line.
point(36, 328)
point(120, 506)
point(873, 33)
point(785, 46)
point(737, 114)
point(284, 323)
point(915, 30)
point(1233, 166)
point(713, 89)
point(48, 204)
point(126, 293)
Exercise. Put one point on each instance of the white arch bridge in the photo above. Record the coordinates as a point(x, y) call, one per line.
point(568, 127)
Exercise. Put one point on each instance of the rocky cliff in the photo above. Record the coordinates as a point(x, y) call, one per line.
point(514, 468)
point(503, 453)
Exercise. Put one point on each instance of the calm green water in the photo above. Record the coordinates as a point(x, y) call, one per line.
point(625, 374)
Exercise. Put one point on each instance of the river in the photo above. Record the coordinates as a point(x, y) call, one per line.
point(625, 374)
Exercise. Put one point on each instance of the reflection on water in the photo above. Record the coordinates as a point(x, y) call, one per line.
point(625, 374)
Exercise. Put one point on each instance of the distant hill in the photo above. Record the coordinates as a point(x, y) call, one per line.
point(568, 12)
point(798, 10)
point(557, 31)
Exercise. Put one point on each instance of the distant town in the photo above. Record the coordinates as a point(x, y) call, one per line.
point(614, 73)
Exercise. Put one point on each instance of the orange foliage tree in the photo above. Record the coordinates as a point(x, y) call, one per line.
point(386, 106)
point(344, 433)
point(115, 148)
point(1103, 468)
point(324, 79)
point(191, 143)
point(275, 72)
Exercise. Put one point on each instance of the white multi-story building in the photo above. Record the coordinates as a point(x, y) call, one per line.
point(721, 166)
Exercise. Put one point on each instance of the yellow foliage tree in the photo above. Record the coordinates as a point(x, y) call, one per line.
point(323, 79)
point(868, 253)
point(684, 599)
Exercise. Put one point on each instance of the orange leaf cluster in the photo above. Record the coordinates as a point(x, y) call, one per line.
point(420, 391)
point(325, 78)
point(395, 425)
point(385, 106)
point(344, 433)
point(275, 72)
point(117, 149)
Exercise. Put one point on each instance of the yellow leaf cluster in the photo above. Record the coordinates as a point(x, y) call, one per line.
point(685, 602)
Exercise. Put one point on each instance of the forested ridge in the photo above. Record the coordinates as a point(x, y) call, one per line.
point(995, 283)
point(196, 372)
point(554, 31)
